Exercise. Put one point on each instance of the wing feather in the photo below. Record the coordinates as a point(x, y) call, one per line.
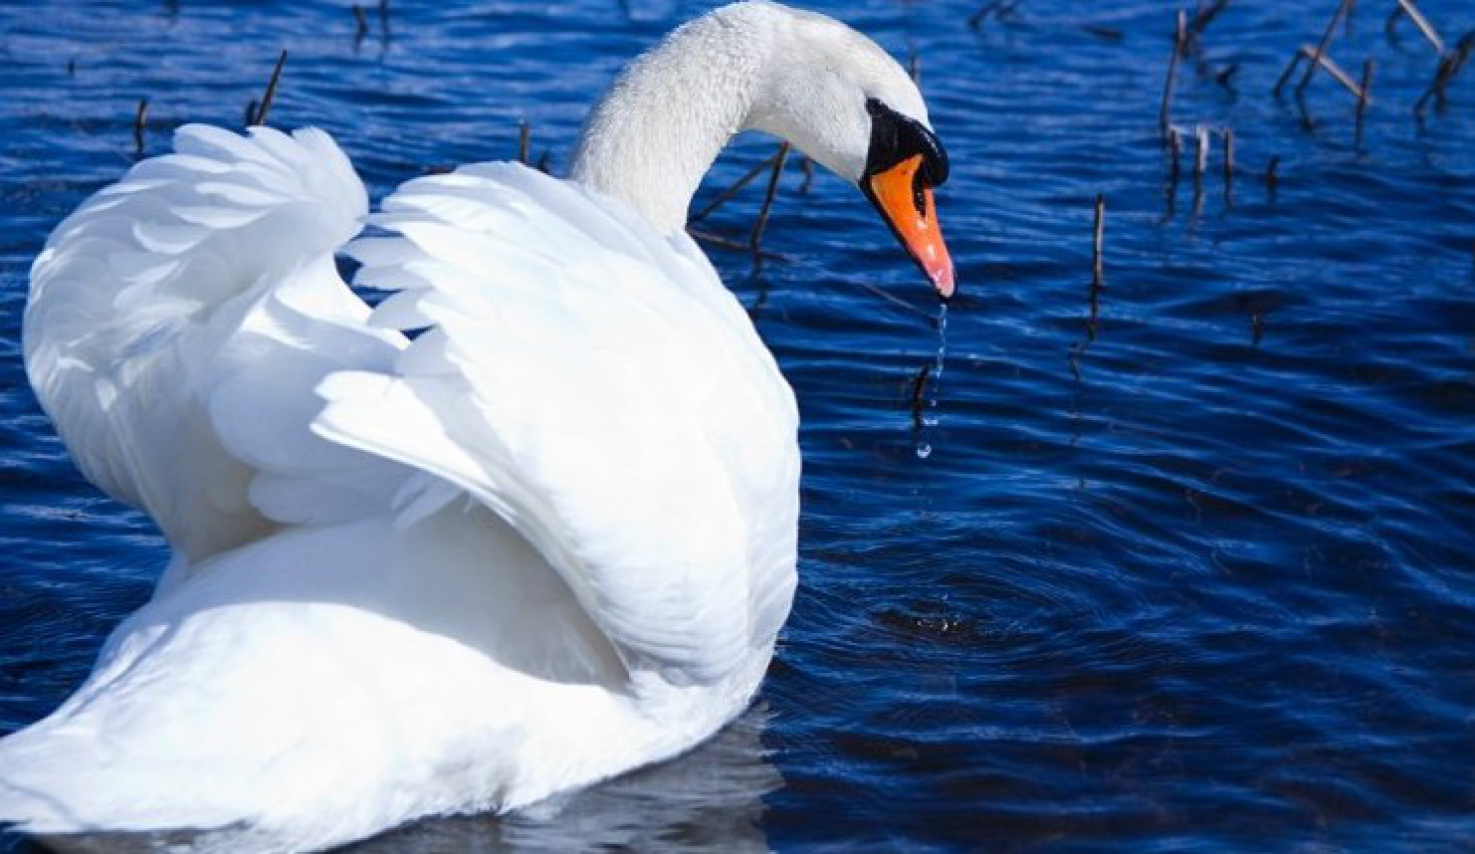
point(179, 321)
point(593, 384)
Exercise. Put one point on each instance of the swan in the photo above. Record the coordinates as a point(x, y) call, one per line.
point(526, 524)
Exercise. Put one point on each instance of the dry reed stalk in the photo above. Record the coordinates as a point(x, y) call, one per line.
point(1335, 70)
point(1228, 157)
point(361, 20)
point(1366, 86)
point(1098, 240)
point(1175, 152)
point(1407, 7)
point(140, 122)
point(1165, 112)
point(1326, 37)
point(1449, 66)
point(271, 92)
point(1201, 153)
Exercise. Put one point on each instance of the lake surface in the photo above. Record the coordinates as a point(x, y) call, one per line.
point(1183, 561)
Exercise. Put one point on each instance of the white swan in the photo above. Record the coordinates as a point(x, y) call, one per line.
point(548, 540)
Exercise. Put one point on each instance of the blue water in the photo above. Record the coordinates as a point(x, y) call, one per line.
point(1189, 564)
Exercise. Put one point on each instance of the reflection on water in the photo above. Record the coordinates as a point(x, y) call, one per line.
point(710, 800)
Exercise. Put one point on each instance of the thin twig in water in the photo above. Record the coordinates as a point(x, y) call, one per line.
point(1175, 153)
point(807, 166)
point(1098, 240)
point(1225, 78)
point(1334, 70)
point(271, 92)
point(1367, 96)
point(756, 239)
point(361, 19)
point(1228, 158)
point(140, 120)
point(543, 162)
point(524, 142)
point(1201, 153)
point(1165, 112)
point(731, 245)
point(1103, 33)
point(1000, 9)
point(1202, 17)
point(1272, 174)
point(1326, 37)
point(1406, 7)
point(727, 195)
point(1285, 76)
point(1449, 66)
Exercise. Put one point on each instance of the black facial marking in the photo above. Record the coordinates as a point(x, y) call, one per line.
point(895, 138)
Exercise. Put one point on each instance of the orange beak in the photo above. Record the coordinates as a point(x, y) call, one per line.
point(908, 208)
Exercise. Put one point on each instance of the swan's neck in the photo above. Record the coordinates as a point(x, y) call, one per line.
point(657, 131)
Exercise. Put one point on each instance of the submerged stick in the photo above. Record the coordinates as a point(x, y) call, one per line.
point(1272, 174)
point(524, 142)
point(1326, 37)
point(140, 120)
point(271, 92)
point(756, 239)
point(1165, 112)
point(807, 166)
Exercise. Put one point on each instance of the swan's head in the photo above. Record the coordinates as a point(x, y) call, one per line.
point(846, 103)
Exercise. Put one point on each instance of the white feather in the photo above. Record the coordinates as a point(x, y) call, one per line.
point(547, 541)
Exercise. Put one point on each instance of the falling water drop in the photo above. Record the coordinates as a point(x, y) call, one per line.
point(929, 417)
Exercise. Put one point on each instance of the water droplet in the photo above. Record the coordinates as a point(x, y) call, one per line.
point(924, 451)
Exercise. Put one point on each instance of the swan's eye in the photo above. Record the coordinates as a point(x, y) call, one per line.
point(895, 137)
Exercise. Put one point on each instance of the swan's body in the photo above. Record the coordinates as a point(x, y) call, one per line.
point(548, 540)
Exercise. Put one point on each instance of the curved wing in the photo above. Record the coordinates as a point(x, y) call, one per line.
point(596, 386)
point(179, 321)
